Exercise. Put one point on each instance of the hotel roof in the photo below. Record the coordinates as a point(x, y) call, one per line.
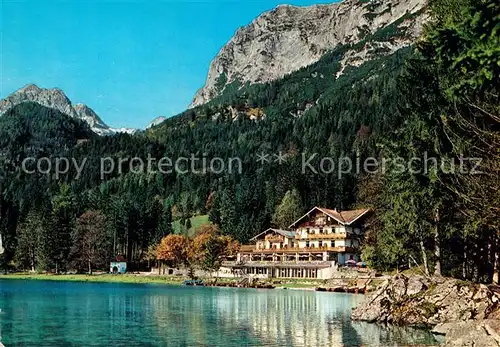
point(286, 233)
point(343, 217)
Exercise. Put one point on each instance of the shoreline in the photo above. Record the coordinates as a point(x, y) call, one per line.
point(144, 278)
point(152, 278)
point(96, 278)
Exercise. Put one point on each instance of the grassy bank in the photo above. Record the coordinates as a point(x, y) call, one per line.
point(129, 278)
point(298, 283)
point(151, 278)
point(195, 222)
point(143, 278)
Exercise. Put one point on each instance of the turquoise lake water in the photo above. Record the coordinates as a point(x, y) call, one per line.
point(44, 313)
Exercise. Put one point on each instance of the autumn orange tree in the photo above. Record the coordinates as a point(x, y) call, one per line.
point(206, 250)
point(209, 248)
point(173, 250)
point(197, 247)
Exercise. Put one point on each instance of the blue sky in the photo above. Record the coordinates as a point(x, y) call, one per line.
point(131, 61)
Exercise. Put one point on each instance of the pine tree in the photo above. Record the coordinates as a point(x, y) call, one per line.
point(165, 223)
point(228, 213)
point(91, 243)
point(33, 243)
point(62, 224)
point(288, 210)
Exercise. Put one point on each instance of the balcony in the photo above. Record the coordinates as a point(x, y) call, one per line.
point(254, 249)
point(279, 263)
point(247, 248)
point(306, 250)
point(275, 238)
point(313, 224)
point(323, 237)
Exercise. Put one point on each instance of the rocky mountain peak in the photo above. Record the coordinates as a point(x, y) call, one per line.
point(288, 38)
point(30, 88)
point(55, 98)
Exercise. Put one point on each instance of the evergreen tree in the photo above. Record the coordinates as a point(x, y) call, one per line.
point(228, 213)
point(33, 243)
point(91, 244)
point(62, 224)
point(289, 210)
point(165, 223)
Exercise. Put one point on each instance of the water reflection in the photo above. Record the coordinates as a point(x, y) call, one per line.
point(61, 314)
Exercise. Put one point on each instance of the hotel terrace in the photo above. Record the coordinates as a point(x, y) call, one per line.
point(314, 246)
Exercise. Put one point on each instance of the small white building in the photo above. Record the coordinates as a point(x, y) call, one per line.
point(118, 266)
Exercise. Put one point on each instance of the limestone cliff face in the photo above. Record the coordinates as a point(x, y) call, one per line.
point(56, 99)
point(288, 38)
point(156, 121)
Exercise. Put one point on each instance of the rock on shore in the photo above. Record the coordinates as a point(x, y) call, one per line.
point(426, 302)
point(484, 332)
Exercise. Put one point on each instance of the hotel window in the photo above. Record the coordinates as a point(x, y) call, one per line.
point(307, 231)
point(307, 244)
point(321, 230)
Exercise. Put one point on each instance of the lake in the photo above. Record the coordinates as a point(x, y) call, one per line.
point(46, 313)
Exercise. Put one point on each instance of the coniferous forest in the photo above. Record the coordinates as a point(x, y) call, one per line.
point(437, 99)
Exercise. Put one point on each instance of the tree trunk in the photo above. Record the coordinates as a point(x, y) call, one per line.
point(32, 261)
point(495, 269)
point(90, 268)
point(2, 249)
point(491, 258)
point(437, 246)
point(464, 265)
point(424, 256)
point(495, 259)
point(475, 274)
point(114, 241)
point(216, 276)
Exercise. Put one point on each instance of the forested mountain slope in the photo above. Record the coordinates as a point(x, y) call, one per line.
point(308, 112)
